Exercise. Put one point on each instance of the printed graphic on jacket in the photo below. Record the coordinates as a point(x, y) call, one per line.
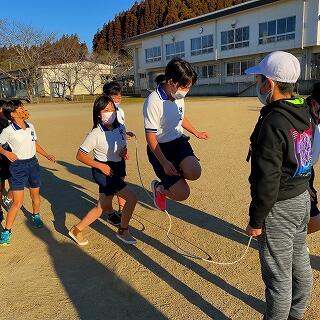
point(302, 151)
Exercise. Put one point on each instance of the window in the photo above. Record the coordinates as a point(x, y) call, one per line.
point(207, 71)
point(238, 68)
point(202, 45)
point(153, 54)
point(277, 30)
point(175, 49)
point(235, 38)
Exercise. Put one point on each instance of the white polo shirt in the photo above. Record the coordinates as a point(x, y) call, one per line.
point(105, 144)
point(22, 142)
point(120, 115)
point(163, 116)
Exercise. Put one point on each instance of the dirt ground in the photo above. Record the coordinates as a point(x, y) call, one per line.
point(45, 275)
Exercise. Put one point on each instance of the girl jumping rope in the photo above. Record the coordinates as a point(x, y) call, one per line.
point(169, 150)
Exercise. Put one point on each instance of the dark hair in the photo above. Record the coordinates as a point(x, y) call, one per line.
point(111, 88)
point(99, 104)
point(2, 102)
point(10, 106)
point(160, 78)
point(285, 87)
point(180, 71)
point(316, 92)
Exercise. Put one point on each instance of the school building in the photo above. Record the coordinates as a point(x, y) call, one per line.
point(51, 80)
point(222, 44)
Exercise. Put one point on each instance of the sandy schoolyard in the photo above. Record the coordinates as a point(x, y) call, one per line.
point(45, 275)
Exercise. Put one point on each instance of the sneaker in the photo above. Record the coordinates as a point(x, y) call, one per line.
point(77, 236)
point(159, 199)
point(36, 221)
point(5, 238)
point(7, 202)
point(114, 218)
point(125, 236)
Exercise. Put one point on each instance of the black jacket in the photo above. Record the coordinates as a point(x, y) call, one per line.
point(281, 156)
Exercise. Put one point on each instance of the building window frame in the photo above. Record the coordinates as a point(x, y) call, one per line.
point(237, 68)
point(175, 49)
point(235, 38)
point(202, 45)
point(207, 71)
point(277, 30)
point(153, 54)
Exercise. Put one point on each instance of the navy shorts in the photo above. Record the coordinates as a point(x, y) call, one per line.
point(175, 151)
point(110, 185)
point(25, 174)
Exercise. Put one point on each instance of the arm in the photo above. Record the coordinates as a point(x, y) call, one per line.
point(85, 159)
point(9, 155)
point(266, 164)
point(155, 148)
point(4, 139)
point(186, 124)
point(41, 151)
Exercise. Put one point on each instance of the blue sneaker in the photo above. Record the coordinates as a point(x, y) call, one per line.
point(5, 238)
point(36, 221)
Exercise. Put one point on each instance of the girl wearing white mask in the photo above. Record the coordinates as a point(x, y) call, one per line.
point(169, 150)
point(107, 140)
point(113, 90)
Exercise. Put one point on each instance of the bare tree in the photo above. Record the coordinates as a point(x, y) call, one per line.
point(121, 62)
point(70, 58)
point(95, 74)
point(29, 50)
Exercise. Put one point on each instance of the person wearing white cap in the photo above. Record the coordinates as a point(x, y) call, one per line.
point(281, 162)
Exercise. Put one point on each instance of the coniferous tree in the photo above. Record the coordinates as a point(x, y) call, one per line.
point(152, 14)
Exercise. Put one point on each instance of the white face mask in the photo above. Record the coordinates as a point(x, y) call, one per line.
point(179, 94)
point(107, 118)
point(263, 97)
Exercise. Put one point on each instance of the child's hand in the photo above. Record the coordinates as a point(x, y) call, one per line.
point(11, 156)
point(105, 169)
point(51, 157)
point(130, 135)
point(202, 135)
point(253, 232)
point(124, 153)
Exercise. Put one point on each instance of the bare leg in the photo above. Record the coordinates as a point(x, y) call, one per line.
point(130, 203)
point(95, 213)
point(35, 197)
point(191, 169)
point(17, 204)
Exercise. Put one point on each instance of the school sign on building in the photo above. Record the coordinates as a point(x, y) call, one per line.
point(222, 44)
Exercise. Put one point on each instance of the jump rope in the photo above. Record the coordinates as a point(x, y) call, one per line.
point(179, 249)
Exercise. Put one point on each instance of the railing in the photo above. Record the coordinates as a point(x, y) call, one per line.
point(315, 73)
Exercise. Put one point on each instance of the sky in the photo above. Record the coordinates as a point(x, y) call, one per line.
point(64, 17)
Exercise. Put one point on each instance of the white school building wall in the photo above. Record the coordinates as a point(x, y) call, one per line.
point(222, 44)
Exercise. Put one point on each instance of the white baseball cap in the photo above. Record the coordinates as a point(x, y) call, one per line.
point(278, 66)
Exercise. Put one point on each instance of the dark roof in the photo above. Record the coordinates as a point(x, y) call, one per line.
point(203, 18)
